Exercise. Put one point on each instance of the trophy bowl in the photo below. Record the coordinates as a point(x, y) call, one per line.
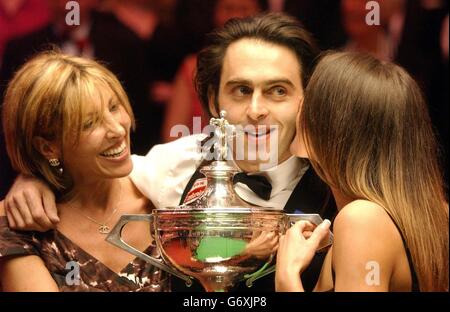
point(218, 247)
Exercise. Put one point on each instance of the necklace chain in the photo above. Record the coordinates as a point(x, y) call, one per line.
point(103, 226)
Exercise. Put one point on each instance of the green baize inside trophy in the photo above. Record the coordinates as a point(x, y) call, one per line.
point(218, 239)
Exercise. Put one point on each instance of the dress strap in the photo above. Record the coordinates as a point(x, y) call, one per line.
point(414, 279)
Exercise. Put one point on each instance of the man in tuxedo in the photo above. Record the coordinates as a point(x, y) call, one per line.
point(256, 70)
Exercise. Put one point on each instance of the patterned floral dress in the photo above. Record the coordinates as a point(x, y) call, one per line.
point(64, 259)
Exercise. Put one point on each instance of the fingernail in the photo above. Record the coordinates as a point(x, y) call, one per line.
point(326, 222)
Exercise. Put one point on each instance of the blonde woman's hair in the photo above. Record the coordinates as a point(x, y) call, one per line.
point(367, 128)
point(49, 97)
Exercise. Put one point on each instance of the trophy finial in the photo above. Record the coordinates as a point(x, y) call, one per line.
point(220, 132)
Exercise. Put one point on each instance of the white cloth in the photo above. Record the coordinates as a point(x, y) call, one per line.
point(164, 172)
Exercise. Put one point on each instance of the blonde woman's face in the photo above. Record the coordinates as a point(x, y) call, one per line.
point(104, 147)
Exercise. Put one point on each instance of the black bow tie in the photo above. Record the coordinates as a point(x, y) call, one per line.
point(257, 183)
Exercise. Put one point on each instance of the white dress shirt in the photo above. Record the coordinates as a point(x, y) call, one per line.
point(162, 175)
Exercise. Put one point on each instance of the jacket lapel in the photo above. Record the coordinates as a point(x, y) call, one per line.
point(311, 195)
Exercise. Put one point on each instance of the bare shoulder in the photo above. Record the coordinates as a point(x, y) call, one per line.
point(362, 214)
point(364, 234)
point(368, 225)
point(26, 274)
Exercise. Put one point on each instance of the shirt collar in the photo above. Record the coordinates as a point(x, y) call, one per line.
point(282, 175)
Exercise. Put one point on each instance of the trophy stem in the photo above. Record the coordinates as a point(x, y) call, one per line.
point(219, 191)
point(218, 283)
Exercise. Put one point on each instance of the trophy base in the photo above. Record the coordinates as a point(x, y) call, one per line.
point(216, 262)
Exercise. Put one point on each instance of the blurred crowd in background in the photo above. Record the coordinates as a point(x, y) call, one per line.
point(151, 46)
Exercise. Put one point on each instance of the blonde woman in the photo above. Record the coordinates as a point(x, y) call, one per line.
point(365, 127)
point(67, 120)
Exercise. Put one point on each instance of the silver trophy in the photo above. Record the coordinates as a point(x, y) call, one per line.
point(217, 239)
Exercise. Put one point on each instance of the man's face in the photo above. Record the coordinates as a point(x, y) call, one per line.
point(260, 85)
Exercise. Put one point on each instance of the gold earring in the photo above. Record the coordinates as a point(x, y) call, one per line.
point(54, 162)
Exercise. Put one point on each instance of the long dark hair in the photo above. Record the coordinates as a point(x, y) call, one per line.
point(368, 133)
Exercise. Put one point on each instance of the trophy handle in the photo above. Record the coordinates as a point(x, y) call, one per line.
point(115, 238)
point(265, 270)
point(314, 218)
point(291, 219)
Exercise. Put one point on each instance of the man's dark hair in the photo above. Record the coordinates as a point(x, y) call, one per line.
point(277, 28)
